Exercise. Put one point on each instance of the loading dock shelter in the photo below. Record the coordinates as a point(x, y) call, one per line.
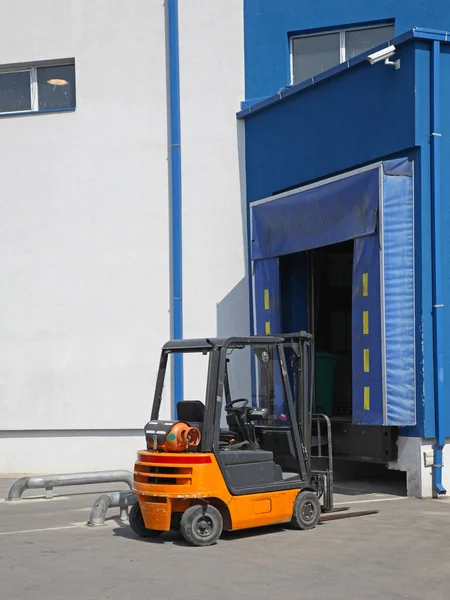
point(349, 201)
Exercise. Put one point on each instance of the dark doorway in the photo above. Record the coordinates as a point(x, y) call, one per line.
point(316, 295)
point(330, 314)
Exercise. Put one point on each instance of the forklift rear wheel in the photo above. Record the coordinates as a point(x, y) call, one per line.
point(201, 525)
point(307, 511)
point(137, 523)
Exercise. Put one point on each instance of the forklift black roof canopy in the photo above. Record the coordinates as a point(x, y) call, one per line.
point(199, 344)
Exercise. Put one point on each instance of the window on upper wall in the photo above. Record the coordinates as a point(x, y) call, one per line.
point(314, 53)
point(37, 88)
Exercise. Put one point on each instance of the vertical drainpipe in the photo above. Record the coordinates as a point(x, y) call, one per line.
point(438, 298)
point(176, 300)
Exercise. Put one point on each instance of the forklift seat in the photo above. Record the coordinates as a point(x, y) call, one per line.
point(245, 457)
point(191, 411)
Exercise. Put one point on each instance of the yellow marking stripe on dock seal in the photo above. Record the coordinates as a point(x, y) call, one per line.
point(365, 284)
point(365, 322)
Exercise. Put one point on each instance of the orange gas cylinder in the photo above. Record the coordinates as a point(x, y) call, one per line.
point(180, 437)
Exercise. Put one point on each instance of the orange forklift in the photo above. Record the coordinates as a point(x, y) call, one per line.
point(272, 463)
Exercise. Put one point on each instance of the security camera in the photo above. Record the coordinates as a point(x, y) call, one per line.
point(384, 54)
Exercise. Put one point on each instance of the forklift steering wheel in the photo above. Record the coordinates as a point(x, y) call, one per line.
point(231, 405)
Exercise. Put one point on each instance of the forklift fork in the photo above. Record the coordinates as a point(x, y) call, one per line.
point(321, 456)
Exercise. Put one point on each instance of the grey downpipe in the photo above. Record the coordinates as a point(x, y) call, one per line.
point(111, 500)
point(48, 482)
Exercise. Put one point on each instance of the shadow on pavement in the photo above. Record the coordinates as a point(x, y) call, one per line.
point(355, 479)
point(175, 537)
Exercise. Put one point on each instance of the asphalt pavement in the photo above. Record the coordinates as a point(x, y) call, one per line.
point(48, 552)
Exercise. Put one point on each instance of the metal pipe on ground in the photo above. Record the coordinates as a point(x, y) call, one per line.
point(48, 482)
point(111, 500)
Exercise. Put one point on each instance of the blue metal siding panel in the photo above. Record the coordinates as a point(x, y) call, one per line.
point(249, 107)
point(267, 24)
point(424, 269)
point(331, 127)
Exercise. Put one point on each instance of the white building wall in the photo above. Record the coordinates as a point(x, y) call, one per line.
point(84, 261)
point(84, 228)
point(215, 285)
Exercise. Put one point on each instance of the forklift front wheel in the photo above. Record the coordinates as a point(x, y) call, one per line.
point(137, 523)
point(201, 525)
point(306, 513)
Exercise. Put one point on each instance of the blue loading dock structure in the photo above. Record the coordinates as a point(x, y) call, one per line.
point(358, 155)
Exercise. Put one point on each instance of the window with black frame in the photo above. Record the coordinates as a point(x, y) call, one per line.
point(37, 88)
